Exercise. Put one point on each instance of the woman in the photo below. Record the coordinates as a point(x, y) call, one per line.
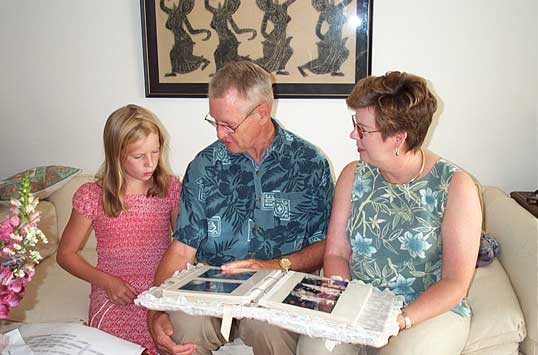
point(404, 219)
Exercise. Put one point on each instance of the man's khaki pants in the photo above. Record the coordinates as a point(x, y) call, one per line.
point(264, 338)
point(445, 334)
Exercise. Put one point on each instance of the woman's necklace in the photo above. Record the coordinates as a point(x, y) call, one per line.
point(421, 167)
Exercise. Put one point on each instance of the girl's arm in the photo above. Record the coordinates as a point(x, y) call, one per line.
point(337, 249)
point(68, 257)
point(173, 216)
point(460, 230)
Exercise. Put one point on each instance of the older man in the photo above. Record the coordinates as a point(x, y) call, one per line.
point(259, 198)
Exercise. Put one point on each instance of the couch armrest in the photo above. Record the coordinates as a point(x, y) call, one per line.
point(62, 200)
point(517, 232)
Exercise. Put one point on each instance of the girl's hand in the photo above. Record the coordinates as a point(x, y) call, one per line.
point(119, 291)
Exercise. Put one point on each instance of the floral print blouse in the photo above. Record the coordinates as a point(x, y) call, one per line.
point(233, 208)
point(395, 231)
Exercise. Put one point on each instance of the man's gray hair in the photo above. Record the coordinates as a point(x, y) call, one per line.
point(249, 79)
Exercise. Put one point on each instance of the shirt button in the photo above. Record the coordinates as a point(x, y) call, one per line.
point(257, 173)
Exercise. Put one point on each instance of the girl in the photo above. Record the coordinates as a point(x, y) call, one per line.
point(132, 207)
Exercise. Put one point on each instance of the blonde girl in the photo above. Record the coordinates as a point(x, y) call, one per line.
point(132, 207)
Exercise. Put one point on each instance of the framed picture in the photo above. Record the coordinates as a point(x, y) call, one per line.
point(312, 48)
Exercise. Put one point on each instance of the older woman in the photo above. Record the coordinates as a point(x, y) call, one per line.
point(404, 219)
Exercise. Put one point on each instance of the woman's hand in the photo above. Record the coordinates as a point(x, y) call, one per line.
point(119, 291)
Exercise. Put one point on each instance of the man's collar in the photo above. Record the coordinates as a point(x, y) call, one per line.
point(279, 140)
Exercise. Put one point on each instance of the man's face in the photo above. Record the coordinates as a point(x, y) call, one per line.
point(236, 121)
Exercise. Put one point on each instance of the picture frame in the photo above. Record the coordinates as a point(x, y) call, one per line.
point(312, 48)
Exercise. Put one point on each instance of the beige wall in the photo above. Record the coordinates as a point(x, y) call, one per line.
point(65, 65)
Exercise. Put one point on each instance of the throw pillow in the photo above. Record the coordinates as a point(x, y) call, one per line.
point(44, 181)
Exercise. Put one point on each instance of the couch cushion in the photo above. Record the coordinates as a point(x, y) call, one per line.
point(497, 317)
point(63, 201)
point(504, 349)
point(44, 181)
point(517, 230)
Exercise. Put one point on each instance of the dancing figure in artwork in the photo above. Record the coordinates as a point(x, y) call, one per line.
point(227, 49)
point(332, 51)
point(276, 45)
point(182, 59)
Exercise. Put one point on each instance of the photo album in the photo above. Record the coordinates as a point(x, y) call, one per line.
point(342, 311)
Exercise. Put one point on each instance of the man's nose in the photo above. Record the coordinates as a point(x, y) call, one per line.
point(222, 132)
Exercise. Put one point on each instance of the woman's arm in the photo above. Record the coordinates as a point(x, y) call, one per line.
point(337, 249)
point(68, 257)
point(460, 232)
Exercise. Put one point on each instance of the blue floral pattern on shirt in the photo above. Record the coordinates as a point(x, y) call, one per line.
point(395, 231)
point(233, 208)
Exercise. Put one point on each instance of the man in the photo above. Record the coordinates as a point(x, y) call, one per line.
point(257, 198)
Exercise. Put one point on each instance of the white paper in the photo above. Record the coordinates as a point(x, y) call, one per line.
point(73, 338)
point(13, 344)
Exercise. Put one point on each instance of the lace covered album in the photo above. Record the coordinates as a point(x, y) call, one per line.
point(341, 311)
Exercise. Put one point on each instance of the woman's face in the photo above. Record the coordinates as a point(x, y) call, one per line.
point(370, 144)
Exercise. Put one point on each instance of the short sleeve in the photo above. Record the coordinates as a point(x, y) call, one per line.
point(86, 199)
point(174, 189)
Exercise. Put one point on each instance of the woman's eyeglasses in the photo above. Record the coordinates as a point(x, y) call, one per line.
point(361, 131)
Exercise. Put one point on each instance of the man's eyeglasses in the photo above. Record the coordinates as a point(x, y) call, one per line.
point(361, 131)
point(209, 119)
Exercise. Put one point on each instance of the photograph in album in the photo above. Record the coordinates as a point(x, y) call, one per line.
point(209, 282)
point(210, 286)
point(310, 295)
point(319, 295)
point(218, 274)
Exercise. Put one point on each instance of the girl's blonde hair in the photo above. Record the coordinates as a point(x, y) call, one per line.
point(124, 126)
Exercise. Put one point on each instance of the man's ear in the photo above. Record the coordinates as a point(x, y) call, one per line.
point(264, 111)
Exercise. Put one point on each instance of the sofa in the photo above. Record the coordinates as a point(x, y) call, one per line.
point(503, 294)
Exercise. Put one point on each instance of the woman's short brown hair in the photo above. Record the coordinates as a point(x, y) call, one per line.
point(401, 102)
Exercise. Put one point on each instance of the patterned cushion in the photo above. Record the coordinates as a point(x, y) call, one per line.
point(44, 181)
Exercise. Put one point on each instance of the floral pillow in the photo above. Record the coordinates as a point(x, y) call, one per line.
point(44, 181)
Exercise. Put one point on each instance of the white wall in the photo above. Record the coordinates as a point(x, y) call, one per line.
point(65, 65)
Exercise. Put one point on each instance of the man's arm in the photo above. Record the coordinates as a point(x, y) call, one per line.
point(176, 258)
point(308, 259)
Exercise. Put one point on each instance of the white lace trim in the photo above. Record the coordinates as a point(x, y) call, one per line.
point(377, 321)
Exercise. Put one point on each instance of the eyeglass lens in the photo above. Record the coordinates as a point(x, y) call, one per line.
point(357, 127)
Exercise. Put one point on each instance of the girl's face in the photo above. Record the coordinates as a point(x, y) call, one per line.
point(141, 159)
point(371, 146)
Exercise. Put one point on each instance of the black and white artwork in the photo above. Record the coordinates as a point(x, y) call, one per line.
point(312, 48)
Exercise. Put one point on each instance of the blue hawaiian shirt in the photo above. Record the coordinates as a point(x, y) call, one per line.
point(233, 208)
point(395, 231)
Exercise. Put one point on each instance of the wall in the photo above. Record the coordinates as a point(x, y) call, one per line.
point(65, 65)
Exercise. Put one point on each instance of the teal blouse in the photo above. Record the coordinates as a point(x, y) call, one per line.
point(395, 231)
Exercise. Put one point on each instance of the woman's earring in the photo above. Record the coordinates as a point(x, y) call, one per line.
point(397, 152)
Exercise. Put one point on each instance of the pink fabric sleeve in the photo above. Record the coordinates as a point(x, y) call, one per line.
point(174, 190)
point(86, 199)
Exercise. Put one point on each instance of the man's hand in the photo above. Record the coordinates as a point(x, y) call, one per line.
point(239, 266)
point(161, 331)
point(119, 291)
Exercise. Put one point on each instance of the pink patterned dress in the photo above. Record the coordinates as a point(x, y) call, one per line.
point(130, 247)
